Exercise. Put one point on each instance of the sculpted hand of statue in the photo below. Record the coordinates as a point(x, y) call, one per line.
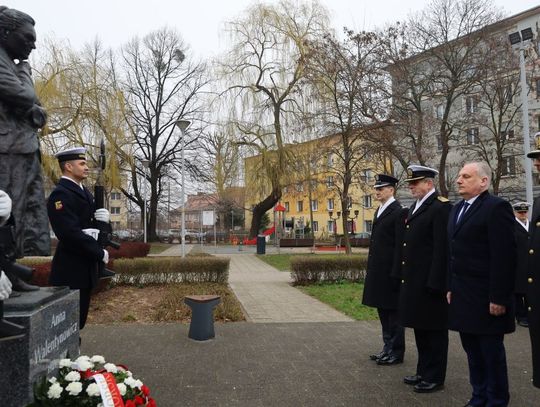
point(5, 287)
point(5, 207)
point(37, 116)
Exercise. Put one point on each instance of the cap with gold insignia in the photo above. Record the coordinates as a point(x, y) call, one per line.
point(521, 206)
point(535, 153)
point(76, 153)
point(417, 172)
point(384, 180)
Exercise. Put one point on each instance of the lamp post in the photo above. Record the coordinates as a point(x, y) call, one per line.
point(145, 163)
point(519, 40)
point(351, 218)
point(334, 219)
point(183, 125)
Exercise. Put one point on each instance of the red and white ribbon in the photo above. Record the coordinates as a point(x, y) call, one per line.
point(110, 395)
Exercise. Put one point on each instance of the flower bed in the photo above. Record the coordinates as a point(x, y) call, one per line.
point(91, 382)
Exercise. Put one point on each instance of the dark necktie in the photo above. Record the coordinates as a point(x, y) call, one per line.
point(464, 208)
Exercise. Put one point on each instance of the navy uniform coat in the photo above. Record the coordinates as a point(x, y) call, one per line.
point(70, 210)
point(481, 266)
point(422, 300)
point(522, 242)
point(384, 258)
point(533, 289)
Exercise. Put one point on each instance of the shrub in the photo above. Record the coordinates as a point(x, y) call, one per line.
point(316, 268)
point(160, 270)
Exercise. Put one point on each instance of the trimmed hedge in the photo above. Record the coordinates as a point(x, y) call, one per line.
point(162, 270)
point(316, 268)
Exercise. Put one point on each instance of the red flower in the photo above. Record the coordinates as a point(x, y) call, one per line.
point(139, 400)
point(145, 390)
point(151, 402)
point(130, 403)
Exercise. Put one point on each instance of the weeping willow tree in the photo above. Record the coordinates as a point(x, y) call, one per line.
point(265, 67)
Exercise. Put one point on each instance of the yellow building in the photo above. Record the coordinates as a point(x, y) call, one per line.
point(313, 185)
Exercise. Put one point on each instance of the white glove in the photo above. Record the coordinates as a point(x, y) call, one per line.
point(5, 286)
point(102, 215)
point(5, 207)
point(105, 258)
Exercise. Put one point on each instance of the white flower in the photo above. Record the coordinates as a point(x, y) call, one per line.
point(129, 373)
point(52, 380)
point(65, 363)
point(54, 391)
point(122, 388)
point(110, 367)
point(130, 381)
point(138, 384)
point(73, 376)
point(74, 388)
point(93, 390)
point(82, 365)
point(98, 359)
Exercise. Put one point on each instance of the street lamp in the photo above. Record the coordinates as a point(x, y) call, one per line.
point(351, 218)
point(183, 125)
point(519, 41)
point(334, 219)
point(145, 163)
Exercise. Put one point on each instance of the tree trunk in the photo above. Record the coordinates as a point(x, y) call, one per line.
point(261, 208)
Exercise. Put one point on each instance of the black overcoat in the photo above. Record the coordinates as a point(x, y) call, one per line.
point(522, 243)
point(70, 210)
point(533, 289)
point(384, 258)
point(481, 266)
point(422, 299)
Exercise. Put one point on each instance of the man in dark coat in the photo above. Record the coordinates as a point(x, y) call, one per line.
point(481, 266)
point(380, 289)
point(72, 213)
point(422, 300)
point(521, 227)
point(533, 274)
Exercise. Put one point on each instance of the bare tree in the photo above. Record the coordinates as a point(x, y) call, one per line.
point(267, 63)
point(161, 87)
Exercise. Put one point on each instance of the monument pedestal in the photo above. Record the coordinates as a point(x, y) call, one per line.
point(50, 317)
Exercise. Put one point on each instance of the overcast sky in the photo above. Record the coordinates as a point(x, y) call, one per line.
point(200, 22)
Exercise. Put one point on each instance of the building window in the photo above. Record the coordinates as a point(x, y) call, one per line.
point(368, 225)
point(330, 225)
point(313, 184)
point(116, 196)
point(330, 204)
point(508, 96)
point(508, 166)
point(507, 131)
point(299, 187)
point(440, 111)
point(287, 206)
point(314, 205)
point(330, 160)
point(330, 181)
point(315, 226)
point(349, 202)
point(367, 201)
point(299, 206)
point(365, 176)
point(439, 141)
point(115, 210)
point(471, 104)
point(538, 88)
point(472, 136)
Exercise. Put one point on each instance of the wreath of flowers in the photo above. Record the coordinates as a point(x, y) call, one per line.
point(91, 382)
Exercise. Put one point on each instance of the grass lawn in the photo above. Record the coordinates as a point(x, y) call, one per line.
point(346, 297)
point(157, 247)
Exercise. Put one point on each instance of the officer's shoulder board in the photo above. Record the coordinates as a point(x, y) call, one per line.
point(58, 205)
point(442, 199)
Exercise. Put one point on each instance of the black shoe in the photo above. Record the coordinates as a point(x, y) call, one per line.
point(19, 285)
point(524, 323)
point(412, 380)
point(389, 360)
point(427, 387)
point(106, 273)
point(377, 356)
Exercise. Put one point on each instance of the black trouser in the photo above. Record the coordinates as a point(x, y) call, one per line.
point(487, 369)
point(392, 332)
point(84, 305)
point(432, 348)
